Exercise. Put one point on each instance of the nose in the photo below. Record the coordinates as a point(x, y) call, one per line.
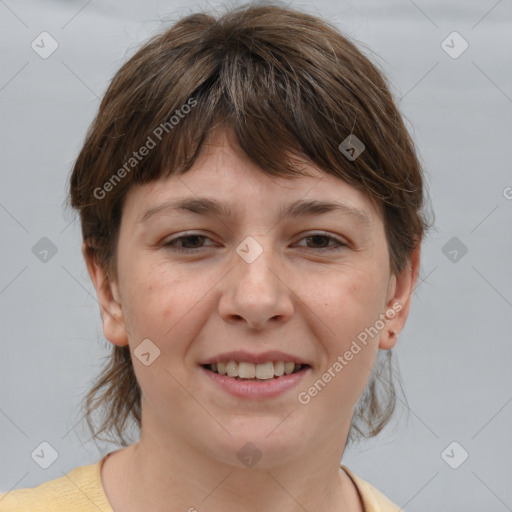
point(258, 293)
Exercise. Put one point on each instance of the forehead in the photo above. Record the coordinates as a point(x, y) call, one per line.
point(223, 182)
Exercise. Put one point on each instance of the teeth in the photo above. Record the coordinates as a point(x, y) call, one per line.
point(279, 368)
point(232, 369)
point(249, 371)
point(288, 368)
point(262, 371)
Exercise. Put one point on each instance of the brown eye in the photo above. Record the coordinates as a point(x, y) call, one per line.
point(187, 243)
point(320, 241)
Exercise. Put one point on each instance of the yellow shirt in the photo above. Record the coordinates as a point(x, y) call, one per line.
point(81, 490)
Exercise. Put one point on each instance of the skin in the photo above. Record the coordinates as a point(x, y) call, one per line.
point(294, 297)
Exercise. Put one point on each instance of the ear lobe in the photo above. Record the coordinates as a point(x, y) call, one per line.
point(114, 327)
point(399, 301)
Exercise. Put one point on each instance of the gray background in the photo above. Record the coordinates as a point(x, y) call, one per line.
point(455, 352)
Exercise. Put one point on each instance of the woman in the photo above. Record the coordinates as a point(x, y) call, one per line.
point(251, 209)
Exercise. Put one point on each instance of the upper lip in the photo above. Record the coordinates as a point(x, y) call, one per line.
point(264, 357)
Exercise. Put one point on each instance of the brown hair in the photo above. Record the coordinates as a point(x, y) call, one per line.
point(288, 86)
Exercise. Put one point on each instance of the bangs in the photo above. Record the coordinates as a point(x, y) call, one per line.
point(279, 116)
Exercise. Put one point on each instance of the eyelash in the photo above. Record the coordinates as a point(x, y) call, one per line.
point(171, 244)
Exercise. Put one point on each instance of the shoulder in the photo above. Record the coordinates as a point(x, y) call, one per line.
point(373, 499)
point(79, 490)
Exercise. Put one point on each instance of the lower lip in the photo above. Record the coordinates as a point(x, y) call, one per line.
point(257, 389)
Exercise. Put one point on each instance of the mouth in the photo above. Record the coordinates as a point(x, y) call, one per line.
point(255, 381)
point(246, 371)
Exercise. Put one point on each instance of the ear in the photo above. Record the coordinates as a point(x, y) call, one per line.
point(112, 317)
point(400, 290)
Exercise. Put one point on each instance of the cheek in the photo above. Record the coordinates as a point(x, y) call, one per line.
point(159, 307)
point(349, 301)
point(162, 302)
point(348, 305)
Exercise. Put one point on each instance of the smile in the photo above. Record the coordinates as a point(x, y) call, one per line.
point(262, 371)
point(249, 380)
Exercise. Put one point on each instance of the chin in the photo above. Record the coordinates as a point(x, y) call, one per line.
point(256, 444)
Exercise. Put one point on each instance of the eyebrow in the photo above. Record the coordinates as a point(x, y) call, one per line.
point(299, 208)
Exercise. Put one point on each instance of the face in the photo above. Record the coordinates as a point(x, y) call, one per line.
point(199, 285)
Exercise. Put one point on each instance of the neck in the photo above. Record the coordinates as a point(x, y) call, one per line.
point(173, 475)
